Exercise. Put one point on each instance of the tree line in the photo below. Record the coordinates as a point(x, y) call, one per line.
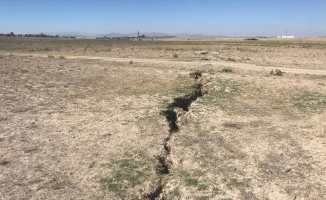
point(12, 34)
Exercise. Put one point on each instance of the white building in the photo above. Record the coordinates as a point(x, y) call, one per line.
point(288, 36)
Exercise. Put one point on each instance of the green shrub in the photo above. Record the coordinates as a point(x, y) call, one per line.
point(226, 70)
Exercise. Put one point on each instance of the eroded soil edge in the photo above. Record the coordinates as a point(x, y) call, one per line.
point(164, 162)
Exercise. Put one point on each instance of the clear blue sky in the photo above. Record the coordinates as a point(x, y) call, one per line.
point(218, 17)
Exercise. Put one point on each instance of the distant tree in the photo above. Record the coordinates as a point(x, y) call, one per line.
point(12, 34)
point(142, 36)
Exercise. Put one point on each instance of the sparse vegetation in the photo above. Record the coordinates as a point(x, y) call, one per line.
point(3, 162)
point(232, 125)
point(310, 102)
point(93, 119)
point(176, 192)
point(91, 165)
point(191, 182)
point(233, 183)
point(226, 70)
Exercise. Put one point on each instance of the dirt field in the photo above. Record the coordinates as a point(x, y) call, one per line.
point(95, 119)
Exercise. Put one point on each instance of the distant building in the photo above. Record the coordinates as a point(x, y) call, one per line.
point(288, 36)
point(85, 37)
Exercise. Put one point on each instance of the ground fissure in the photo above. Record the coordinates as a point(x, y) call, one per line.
point(183, 102)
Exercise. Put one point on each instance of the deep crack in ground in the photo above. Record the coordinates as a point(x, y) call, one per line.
point(182, 102)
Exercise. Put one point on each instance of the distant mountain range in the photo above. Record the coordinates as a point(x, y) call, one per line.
point(152, 34)
point(147, 34)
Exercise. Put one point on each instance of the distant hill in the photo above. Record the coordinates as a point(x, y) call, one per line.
point(147, 34)
point(65, 33)
point(199, 35)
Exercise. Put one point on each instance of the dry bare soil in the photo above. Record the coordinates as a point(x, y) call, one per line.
point(95, 119)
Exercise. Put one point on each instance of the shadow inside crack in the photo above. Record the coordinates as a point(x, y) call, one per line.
point(181, 102)
point(164, 164)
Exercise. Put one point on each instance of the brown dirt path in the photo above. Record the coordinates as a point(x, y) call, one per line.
point(213, 63)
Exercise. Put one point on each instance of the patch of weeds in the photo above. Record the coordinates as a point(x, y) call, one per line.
point(47, 49)
point(123, 179)
point(110, 184)
point(203, 134)
point(181, 86)
point(203, 198)
point(175, 55)
point(226, 70)
point(29, 150)
point(191, 182)
point(188, 141)
point(198, 173)
point(61, 57)
point(50, 56)
point(91, 165)
point(310, 102)
point(233, 183)
point(183, 90)
point(127, 174)
point(216, 191)
point(57, 186)
point(196, 49)
point(202, 187)
point(4, 162)
point(176, 192)
point(133, 197)
point(131, 62)
point(232, 125)
point(165, 103)
point(223, 90)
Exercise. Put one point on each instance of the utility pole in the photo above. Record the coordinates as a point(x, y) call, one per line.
point(286, 33)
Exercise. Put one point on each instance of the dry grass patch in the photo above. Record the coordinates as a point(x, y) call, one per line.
point(76, 128)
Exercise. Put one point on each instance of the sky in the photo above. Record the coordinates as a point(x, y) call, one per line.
point(302, 18)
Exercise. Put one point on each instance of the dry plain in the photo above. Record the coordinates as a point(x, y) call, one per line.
point(103, 119)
